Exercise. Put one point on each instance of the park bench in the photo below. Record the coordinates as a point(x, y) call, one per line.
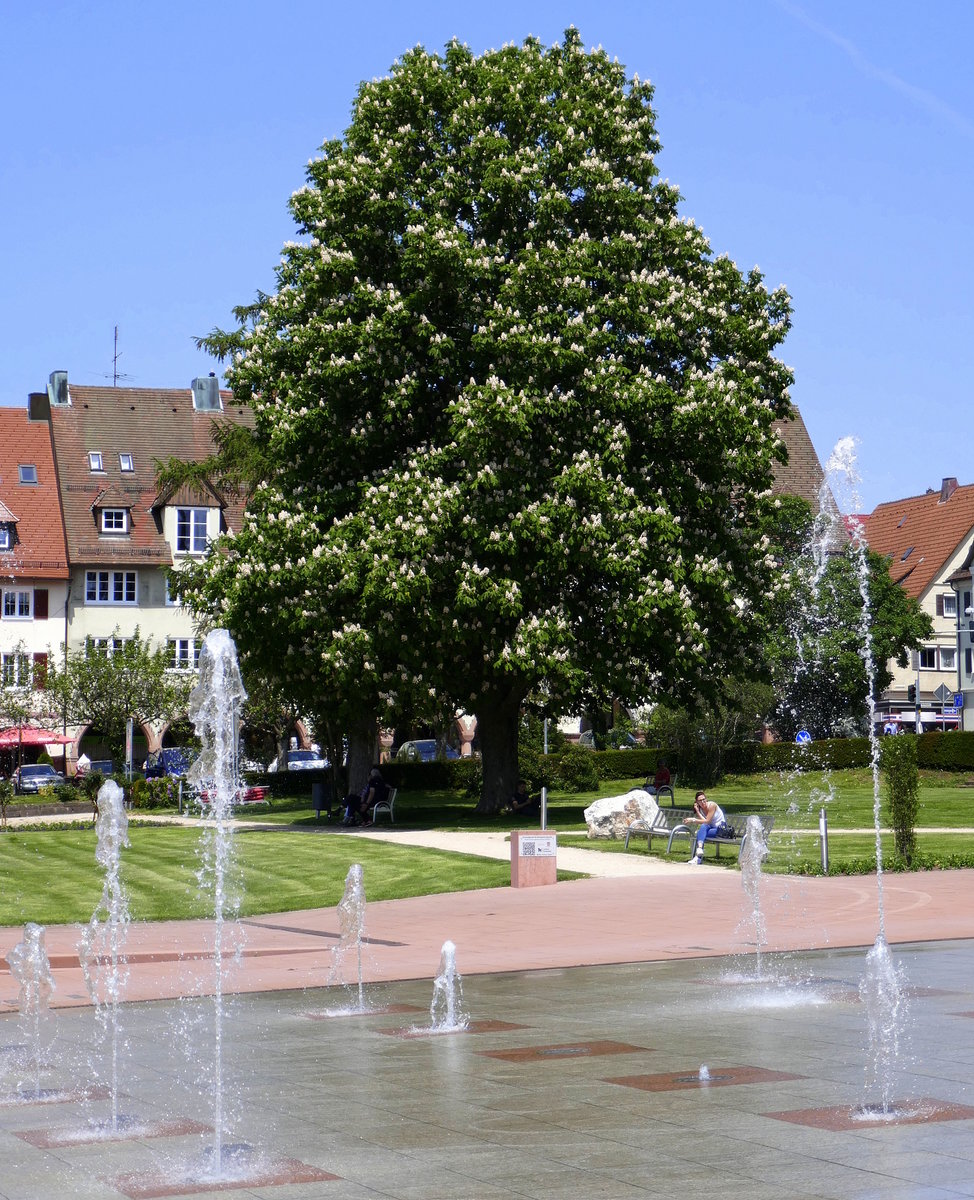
point(738, 822)
point(664, 823)
point(244, 795)
point(664, 790)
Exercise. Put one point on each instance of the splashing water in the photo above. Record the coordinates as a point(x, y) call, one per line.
point(882, 985)
point(753, 853)
point(214, 710)
point(103, 964)
point(31, 967)
point(446, 1009)
point(704, 1074)
point(351, 922)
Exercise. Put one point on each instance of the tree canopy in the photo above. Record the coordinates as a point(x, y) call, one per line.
point(514, 417)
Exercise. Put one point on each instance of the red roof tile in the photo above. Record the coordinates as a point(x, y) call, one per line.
point(39, 550)
point(149, 424)
point(921, 533)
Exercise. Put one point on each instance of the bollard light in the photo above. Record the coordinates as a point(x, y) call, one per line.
point(823, 829)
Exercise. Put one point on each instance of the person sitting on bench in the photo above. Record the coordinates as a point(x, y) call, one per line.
point(710, 817)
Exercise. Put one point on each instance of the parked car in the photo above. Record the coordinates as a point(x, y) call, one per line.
point(30, 778)
point(104, 766)
point(615, 739)
point(170, 760)
point(423, 750)
point(301, 760)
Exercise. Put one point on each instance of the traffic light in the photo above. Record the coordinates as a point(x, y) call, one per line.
point(911, 694)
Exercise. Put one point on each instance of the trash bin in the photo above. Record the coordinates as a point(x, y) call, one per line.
point(320, 797)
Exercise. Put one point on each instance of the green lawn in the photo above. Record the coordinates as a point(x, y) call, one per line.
point(51, 876)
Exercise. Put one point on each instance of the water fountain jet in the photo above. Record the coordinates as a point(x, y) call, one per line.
point(446, 1009)
point(103, 964)
point(31, 967)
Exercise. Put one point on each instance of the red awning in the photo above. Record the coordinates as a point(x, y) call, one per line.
point(27, 735)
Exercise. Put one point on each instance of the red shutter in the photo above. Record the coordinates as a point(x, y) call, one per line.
point(40, 604)
point(40, 670)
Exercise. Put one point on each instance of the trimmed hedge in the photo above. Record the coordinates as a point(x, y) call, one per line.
point(951, 751)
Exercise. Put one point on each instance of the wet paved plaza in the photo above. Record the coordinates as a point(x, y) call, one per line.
point(573, 1082)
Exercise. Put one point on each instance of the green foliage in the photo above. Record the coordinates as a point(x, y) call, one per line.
point(814, 649)
point(6, 797)
point(96, 688)
point(625, 764)
point(515, 420)
point(153, 793)
point(825, 754)
point(901, 778)
point(714, 736)
point(576, 770)
point(952, 751)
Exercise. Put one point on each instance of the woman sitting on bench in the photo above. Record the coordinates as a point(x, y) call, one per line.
point(710, 817)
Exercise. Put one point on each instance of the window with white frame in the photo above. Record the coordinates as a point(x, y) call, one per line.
point(190, 530)
point(95, 461)
point(126, 463)
point(114, 520)
point(105, 646)
point(15, 669)
point(17, 604)
point(928, 658)
point(6, 537)
point(185, 654)
point(110, 587)
point(948, 658)
point(173, 595)
point(946, 604)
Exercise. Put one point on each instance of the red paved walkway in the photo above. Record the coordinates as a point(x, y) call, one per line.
point(582, 922)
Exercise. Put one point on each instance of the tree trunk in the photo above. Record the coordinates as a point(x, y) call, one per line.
point(497, 726)
point(363, 750)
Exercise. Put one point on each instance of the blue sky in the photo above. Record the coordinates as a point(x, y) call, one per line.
point(149, 150)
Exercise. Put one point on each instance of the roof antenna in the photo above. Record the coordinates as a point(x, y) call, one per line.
point(116, 376)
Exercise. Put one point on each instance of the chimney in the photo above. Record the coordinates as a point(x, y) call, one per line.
point(57, 389)
point(206, 394)
point(947, 489)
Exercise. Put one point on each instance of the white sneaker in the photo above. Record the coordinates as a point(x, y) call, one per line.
point(692, 862)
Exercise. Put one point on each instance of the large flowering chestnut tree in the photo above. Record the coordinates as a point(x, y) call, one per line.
point(515, 417)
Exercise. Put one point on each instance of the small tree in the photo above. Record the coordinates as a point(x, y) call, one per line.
point(901, 776)
point(105, 686)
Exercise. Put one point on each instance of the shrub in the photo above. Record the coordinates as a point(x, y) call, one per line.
point(576, 771)
point(6, 796)
point(898, 760)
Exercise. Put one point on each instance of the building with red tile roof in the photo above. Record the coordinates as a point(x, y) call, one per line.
point(122, 535)
point(928, 540)
point(33, 563)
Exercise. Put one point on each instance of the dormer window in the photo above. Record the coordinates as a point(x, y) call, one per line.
point(94, 461)
point(126, 462)
point(6, 537)
point(114, 520)
point(27, 473)
point(191, 530)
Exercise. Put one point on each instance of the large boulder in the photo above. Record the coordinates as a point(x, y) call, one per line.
point(611, 816)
